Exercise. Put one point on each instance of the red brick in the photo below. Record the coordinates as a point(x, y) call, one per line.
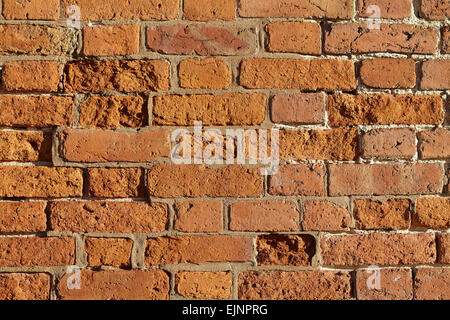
point(115, 183)
point(24, 217)
point(389, 9)
point(298, 179)
point(208, 10)
point(338, 9)
point(199, 216)
point(170, 180)
point(34, 251)
point(89, 76)
point(395, 179)
point(129, 10)
point(108, 217)
point(198, 249)
point(395, 284)
point(398, 38)
point(432, 284)
point(207, 73)
point(31, 10)
point(397, 143)
point(298, 37)
point(435, 9)
point(116, 40)
point(300, 108)
point(95, 145)
point(204, 285)
point(40, 182)
point(34, 111)
point(323, 215)
point(320, 74)
point(445, 43)
point(109, 252)
point(219, 110)
point(371, 109)
point(436, 74)
point(433, 213)
point(31, 76)
point(201, 40)
point(444, 248)
point(294, 285)
point(25, 146)
point(24, 286)
point(113, 112)
point(264, 215)
point(388, 73)
point(391, 214)
point(381, 249)
point(18, 39)
point(434, 144)
point(117, 285)
point(293, 250)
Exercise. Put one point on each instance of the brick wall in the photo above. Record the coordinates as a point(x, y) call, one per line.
point(357, 88)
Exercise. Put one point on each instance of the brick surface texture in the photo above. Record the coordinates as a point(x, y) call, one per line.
point(102, 167)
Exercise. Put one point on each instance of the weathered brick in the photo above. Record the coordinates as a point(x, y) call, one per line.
point(95, 145)
point(22, 217)
point(119, 10)
point(115, 40)
point(90, 76)
point(109, 252)
point(29, 39)
point(219, 110)
point(31, 76)
point(264, 215)
point(201, 39)
point(108, 217)
point(31, 10)
point(280, 249)
point(443, 248)
point(323, 215)
point(115, 183)
point(376, 179)
point(170, 180)
point(390, 214)
point(208, 73)
point(204, 285)
point(117, 285)
point(381, 249)
point(34, 251)
point(294, 285)
point(199, 216)
point(113, 112)
point(432, 284)
point(207, 10)
point(35, 111)
point(298, 37)
point(298, 179)
point(394, 284)
point(436, 74)
point(320, 74)
point(396, 143)
point(40, 182)
point(370, 109)
point(25, 146)
point(433, 213)
point(435, 9)
point(388, 73)
point(338, 9)
point(398, 38)
point(319, 144)
point(434, 144)
point(24, 286)
point(389, 9)
point(445, 42)
point(300, 108)
point(198, 249)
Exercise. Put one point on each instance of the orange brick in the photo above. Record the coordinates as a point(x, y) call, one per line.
point(389, 9)
point(391, 214)
point(204, 285)
point(432, 284)
point(388, 73)
point(115, 183)
point(109, 252)
point(435, 9)
point(208, 73)
point(433, 213)
point(434, 144)
point(298, 37)
point(285, 250)
point(445, 43)
point(323, 215)
point(116, 40)
point(24, 286)
point(301, 108)
point(443, 248)
point(25, 146)
point(208, 10)
point(199, 216)
point(298, 179)
point(436, 74)
point(31, 76)
point(31, 10)
point(24, 217)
